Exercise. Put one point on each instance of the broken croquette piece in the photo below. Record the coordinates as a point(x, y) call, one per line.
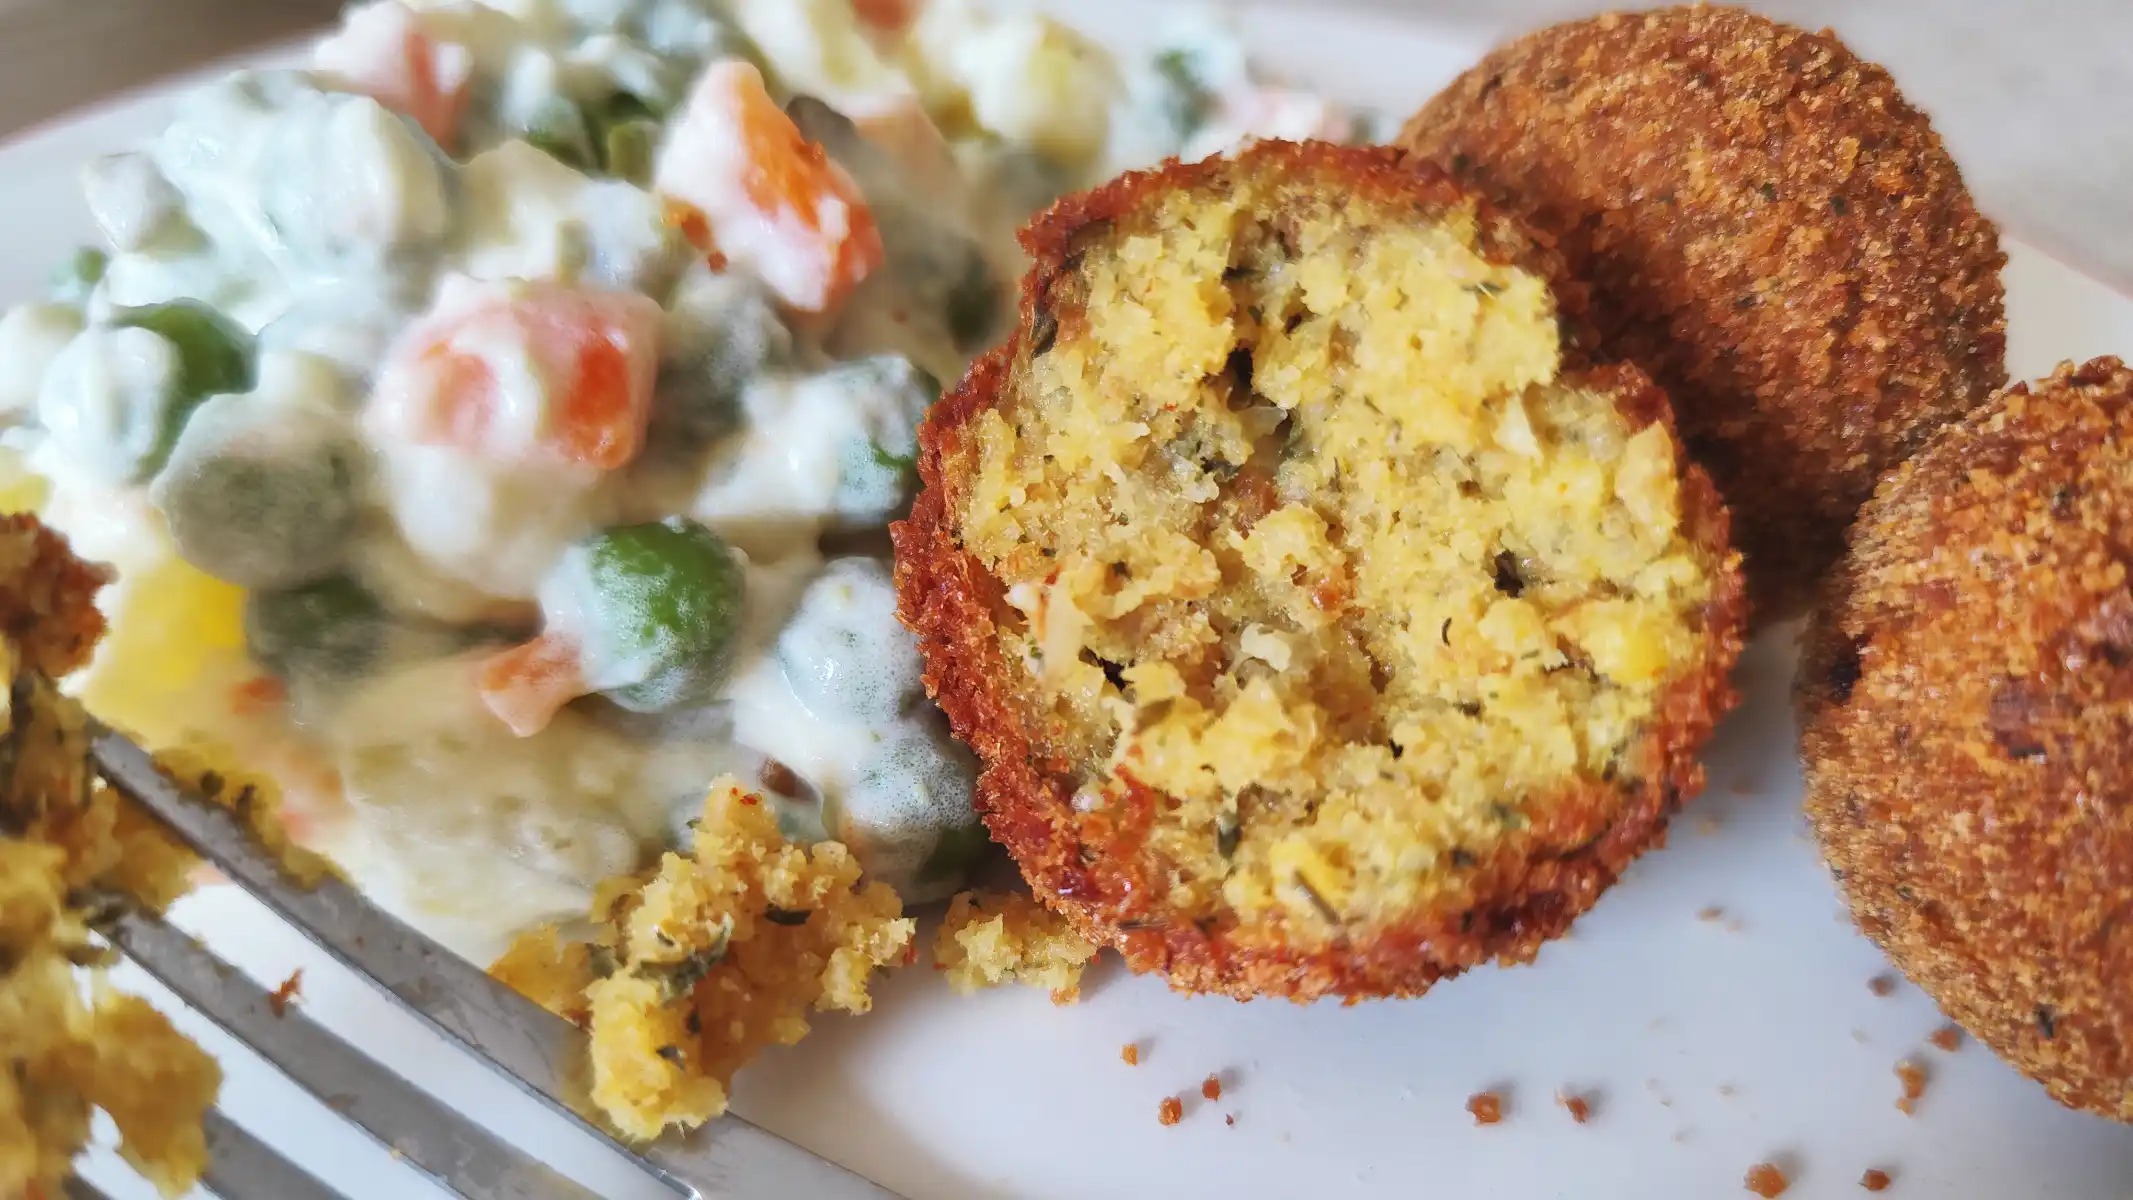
point(1170, 1111)
point(1211, 1087)
point(991, 938)
point(1875, 1180)
point(700, 964)
point(1130, 1054)
point(1324, 629)
point(72, 847)
point(1913, 1078)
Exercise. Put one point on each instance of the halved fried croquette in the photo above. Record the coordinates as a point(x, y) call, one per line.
point(1319, 632)
point(1966, 708)
point(1769, 229)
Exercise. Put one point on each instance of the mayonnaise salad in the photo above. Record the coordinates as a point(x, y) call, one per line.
point(475, 415)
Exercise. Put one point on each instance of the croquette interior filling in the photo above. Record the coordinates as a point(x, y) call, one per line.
point(1299, 527)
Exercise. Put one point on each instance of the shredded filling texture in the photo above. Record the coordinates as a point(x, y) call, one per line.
point(1301, 526)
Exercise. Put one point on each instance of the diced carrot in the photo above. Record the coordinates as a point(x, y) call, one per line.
point(889, 16)
point(594, 352)
point(527, 685)
point(257, 694)
point(774, 201)
point(383, 52)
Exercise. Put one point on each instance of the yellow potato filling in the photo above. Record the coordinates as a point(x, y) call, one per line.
point(1300, 526)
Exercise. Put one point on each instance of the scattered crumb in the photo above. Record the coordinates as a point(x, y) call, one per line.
point(1947, 1038)
point(1766, 1181)
point(279, 998)
point(1229, 1118)
point(1212, 1088)
point(1170, 1111)
point(1487, 1107)
point(1130, 1054)
point(991, 938)
point(1875, 1180)
point(1881, 985)
point(1707, 825)
point(1914, 1085)
point(1579, 1107)
point(1713, 913)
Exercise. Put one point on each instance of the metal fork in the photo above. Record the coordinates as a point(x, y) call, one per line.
point(727, 1158)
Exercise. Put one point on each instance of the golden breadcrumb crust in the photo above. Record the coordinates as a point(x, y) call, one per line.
point(1093, 863)
point(1966, 707)
point(991, 938)
point(1768, 228)
point(698, 965)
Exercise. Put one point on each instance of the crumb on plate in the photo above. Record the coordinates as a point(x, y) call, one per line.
point(1487, 1107)
point(1578, 1106)
point(991, 938)
point(1130, 1054)
point(1765, 1180)
point(1212, 1088)
point(1914, 1085)
point(1875, 1180)
point(1947, 1038)
point(697, 966)
point(1170, 1111)
point(1882, 984)
point(1229, 1118)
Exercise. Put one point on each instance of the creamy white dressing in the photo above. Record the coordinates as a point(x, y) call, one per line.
point(432, 209)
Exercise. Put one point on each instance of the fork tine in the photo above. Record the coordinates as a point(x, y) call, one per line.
point(529, 1044)
point(448, 1148)
point(241, 1167)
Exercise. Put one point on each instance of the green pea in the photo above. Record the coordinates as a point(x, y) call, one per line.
point(257, 495)
point(660, 607)
point(331, 629)
point(877, 466)
point(723, 331)
point(558, 128)
point(215, 357)
point(76, 278)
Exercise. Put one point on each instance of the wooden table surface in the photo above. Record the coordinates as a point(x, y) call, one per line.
point(2035, 97)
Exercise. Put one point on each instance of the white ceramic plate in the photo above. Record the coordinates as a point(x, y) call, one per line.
point(1709, 1045)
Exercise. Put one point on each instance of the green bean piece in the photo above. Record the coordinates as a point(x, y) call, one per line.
point(215, 358)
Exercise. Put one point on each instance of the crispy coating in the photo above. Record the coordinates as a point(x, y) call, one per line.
point(1095, 867)
point(1769, 229)
point(1966, 704)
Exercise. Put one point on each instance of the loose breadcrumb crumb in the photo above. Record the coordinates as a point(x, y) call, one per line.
point(1914, 1085)
point(1130, 1054)
point(73, 853)
point(1579, 1107)
point(1170, 1111)
point(1229, 1118)
point(1947, 1038)
point(697, 966)
point(1487, 1107)
point(287, 990)
point(991, 938)
point(1212, 1088)
point(1766, 1180)
point(1875, 1180)
point(1880, 985)
point(1713, 913)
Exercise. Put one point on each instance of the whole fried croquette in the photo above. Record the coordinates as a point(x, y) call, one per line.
point(1320, 632)
point(1966, 708)
point(1769, 229)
